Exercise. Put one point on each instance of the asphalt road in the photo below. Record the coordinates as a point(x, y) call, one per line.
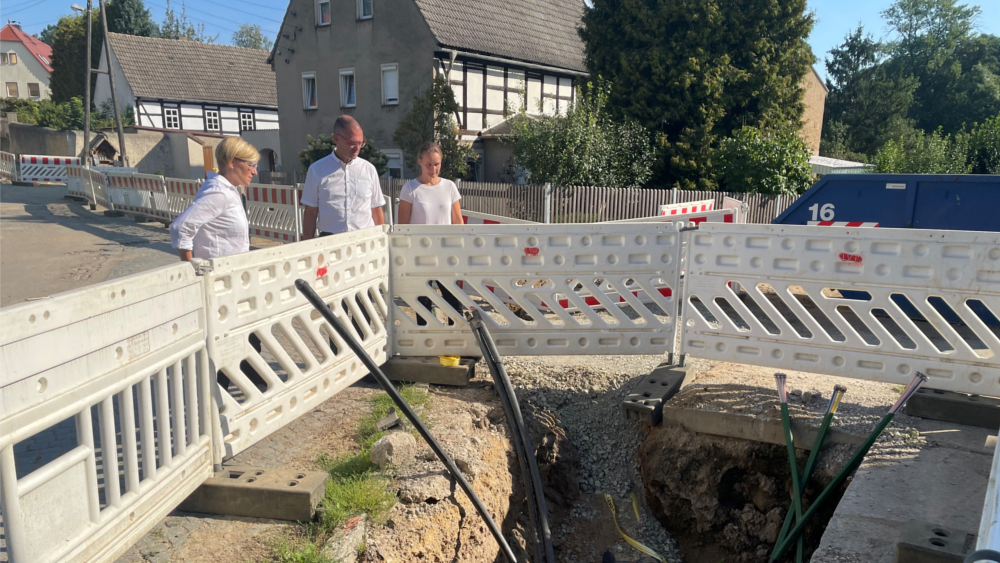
point(49, 244)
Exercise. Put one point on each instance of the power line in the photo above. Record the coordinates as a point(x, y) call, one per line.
point(249, 14)
point(278, 7)
point(24, 8)
point(206, 13)
point(209, 23)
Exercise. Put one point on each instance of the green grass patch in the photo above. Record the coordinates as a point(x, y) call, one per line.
point(366, 494)
point(355, 486)
point(287, 549)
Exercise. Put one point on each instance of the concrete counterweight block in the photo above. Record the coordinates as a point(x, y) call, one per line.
point(280, 494)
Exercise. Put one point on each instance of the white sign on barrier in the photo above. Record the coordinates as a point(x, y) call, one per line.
point(874, 304)
point(132, 349)
point(555, 274)
point(277, 357)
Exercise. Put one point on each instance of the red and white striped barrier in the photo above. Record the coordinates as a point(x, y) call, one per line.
point(180, 194)
point(843, 224)
point(689, 207)
point(274, 211)
point(8, 167)
point(36, 168)
point(476, 218)
point(715, 216)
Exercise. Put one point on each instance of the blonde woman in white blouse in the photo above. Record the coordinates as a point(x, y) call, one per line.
point(215, 224)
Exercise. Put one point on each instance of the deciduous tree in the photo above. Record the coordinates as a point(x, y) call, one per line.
point(432, 119)
point(251, 37)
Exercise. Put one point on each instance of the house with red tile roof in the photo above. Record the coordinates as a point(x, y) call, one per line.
point(25, 64)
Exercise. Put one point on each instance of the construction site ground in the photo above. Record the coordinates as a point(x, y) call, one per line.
point(920, 470)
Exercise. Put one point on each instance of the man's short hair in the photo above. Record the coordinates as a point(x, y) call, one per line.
point(344, 124)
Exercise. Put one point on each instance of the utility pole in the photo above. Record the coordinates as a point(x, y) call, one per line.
point(86, 91)
point(111, 80)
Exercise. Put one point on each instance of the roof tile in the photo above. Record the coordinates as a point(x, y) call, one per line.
point(536, 31)
point(182, 70)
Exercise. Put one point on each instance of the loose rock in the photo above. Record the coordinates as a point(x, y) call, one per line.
point(395, 448)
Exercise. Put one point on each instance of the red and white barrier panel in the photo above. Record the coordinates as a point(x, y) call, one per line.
point(842, 224)
point(476, 218)
point(716, 216)
point(8, 167)
point(274, 211)
point(689, 207)
point(180, 194)
point(36, 168)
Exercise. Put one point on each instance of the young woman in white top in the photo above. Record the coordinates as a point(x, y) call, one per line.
point(431, 200)
point(215, 224)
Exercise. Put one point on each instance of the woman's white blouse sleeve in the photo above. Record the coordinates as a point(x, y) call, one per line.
point(203, 210)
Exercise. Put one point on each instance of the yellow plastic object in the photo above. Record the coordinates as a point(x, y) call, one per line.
point(640, 547)
point(450, 361)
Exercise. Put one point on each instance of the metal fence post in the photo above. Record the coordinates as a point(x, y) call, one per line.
point(777, 209)
point(295, 206)
point(547, 212)
point(673, 195)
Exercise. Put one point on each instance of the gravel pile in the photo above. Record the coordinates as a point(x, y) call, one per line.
point(585, 393)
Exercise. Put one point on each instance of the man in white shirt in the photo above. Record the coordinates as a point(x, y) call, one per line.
point(342, 192)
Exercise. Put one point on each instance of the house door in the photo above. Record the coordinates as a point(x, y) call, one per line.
point(209, 160)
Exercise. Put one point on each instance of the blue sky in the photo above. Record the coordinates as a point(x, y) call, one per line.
point(835, 18)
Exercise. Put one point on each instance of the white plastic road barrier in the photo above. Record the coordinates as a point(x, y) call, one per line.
point(8, 167)
point(989, 524)
point(140, 194)
point(274, 211)
point(75, 184)
point(689, 207)
point(180, 194)
point(477, 218)
point(553, 265)
point(133, 350)
point(874, 304)
point(272, 347)
point(36, 168)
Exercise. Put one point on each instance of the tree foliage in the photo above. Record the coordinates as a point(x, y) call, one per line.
point(984, 147)
point(48, 35)
point(323, 145)
point(690, 71)
point(585, 147)
point(865, 106)
point(934, 71)
point(131, 18)
point(770, 162)
point(925, 153)
point(432, 119)
point(957, 69)
point(69, 56)
point(174, 27)
point(250, 36)
point(64, 116)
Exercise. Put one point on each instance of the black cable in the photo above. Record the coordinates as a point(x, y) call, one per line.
point(502, 381)
point(521, 451)
point(390, 389)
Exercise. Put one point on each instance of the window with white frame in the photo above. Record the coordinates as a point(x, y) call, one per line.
point(171, 118)
point(394, 168)
point(212, 120)
point(12, 89)
point(309, 97)
point(347, 93)
point(246, 121)
point(33, 90)
point(390, 85)
point(13, 58)
point(322, 12)
point(364, 9)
